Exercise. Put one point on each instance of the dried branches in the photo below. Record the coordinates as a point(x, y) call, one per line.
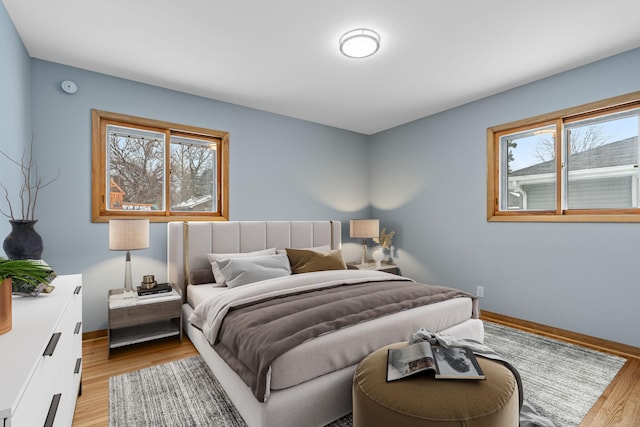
point(385, 238)
point(32, 183)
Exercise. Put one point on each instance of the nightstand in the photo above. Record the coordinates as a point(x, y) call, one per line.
point(387, 268)
point(135, 320)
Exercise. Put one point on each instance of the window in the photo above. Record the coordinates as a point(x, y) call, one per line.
point(579, 164)
point(157, 170)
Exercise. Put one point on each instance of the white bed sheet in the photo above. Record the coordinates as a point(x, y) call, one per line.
point(197, 294)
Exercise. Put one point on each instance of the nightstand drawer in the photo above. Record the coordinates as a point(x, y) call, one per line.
point(387, 268)
point(143, 313)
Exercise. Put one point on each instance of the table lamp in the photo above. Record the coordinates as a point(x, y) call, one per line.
point(128, 235)
point(364, 229)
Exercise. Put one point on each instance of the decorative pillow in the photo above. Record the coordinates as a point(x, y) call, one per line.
point(244, 270)
point(200, 276)
point(323, 248)
point(306, 261)
point(215, 257)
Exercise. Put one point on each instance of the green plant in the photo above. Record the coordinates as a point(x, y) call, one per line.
point(24, 270)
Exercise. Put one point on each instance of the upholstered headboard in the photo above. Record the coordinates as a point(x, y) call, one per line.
point(189, 242)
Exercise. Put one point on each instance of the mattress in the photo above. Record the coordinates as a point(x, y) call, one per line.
point(197, 294)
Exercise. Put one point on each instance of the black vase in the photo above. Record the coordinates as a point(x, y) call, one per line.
point(23, 242)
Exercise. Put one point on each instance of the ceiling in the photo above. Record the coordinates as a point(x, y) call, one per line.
point(282, 56)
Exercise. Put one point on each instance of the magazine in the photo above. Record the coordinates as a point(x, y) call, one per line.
point(444, 363)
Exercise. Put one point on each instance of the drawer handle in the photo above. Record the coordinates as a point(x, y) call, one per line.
point(77, 330)
point(77, 290)
point(78, 364)
point(53, 408)
point(53, 342)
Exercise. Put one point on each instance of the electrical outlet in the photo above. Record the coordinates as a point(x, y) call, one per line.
point(480, 291)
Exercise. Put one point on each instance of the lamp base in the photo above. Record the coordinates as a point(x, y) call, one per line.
point(363, 258)
point(118, 294)
point(128, 284)
point(129, 294)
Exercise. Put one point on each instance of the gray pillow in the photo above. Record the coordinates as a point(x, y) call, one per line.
point(244, 270)
point(216, 257)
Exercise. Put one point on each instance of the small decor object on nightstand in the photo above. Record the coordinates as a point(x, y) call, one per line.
point(148, 282)
point(378, 256)
point(384, 240)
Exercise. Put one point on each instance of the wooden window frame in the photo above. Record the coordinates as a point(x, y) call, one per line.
point(594, 109)
point(100, 213)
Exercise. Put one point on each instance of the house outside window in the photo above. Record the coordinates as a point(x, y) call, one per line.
point(577, 165)
point(157, 170)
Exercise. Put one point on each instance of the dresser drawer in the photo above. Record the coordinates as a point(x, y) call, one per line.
point(43, 386)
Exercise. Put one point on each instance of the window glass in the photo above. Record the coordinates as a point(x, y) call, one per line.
point(528, 171)
point(135, 169)
point(602, 165)
point(193, 175)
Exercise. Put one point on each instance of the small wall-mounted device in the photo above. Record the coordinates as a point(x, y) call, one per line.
point(69, 87)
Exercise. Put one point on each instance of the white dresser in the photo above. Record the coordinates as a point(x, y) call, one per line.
point(41, 358)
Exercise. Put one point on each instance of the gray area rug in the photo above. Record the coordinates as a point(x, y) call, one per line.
point(562, 381)
point(179, 393)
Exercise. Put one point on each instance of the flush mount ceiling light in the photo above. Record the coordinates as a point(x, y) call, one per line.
point(359, 43)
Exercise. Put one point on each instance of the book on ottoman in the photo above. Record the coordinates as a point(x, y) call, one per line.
point(444, 363)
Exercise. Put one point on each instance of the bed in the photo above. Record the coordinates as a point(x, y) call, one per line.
point(319, 391)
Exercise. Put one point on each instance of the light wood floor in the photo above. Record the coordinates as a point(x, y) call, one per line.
point(92, 408)
point(619, 406)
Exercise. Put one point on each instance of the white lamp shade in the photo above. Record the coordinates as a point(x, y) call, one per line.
point(364, 228)
point(128, 234)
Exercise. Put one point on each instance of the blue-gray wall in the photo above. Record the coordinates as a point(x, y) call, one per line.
point(430, 185)
point(15, 112)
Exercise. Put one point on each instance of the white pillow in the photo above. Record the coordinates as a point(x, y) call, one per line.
point(244, 270)
point(216, 257)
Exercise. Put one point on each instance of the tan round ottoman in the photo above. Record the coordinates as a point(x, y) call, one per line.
point(421, 400)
